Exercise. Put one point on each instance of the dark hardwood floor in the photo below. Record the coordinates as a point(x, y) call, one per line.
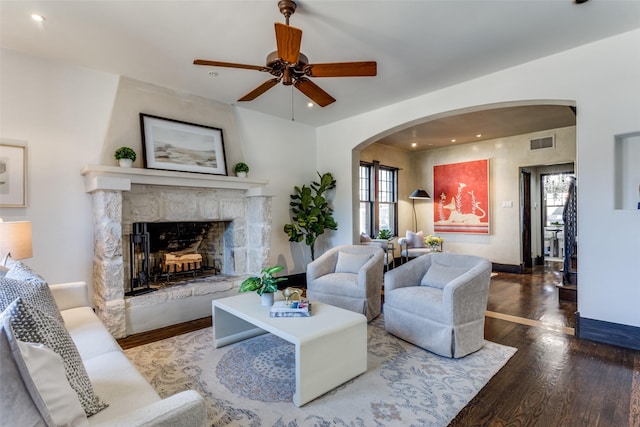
point(554, 379)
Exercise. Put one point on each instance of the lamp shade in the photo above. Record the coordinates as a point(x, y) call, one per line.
point(15, 239)
point(419, 194)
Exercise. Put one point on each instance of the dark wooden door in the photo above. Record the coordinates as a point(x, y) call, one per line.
point(525, 194)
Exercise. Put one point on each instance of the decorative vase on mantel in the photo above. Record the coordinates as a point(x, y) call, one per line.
point(267, 299)
point(125, 163)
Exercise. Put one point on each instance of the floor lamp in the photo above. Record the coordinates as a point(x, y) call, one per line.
point(418, 194)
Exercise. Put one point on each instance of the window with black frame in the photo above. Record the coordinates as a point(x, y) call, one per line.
point(378, 198)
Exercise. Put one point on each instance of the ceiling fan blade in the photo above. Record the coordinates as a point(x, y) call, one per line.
point(260, 90)
point(342, 69)
point(288, 39)
point(314, 92)
point(230, 65)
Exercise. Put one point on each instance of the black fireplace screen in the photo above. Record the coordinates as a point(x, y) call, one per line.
point(163, 253)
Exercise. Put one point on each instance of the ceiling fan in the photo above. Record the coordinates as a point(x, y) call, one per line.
point(291, 67)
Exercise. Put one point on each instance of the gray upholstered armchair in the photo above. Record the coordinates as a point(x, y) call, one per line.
point(438, 302)
point(349, 277)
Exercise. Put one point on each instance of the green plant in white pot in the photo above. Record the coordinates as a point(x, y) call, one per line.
point(241, 169)
point(265, 284)
point(125, 156)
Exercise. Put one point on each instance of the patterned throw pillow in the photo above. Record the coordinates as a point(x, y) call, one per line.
point(21, 271)
point(36, 293)
point(32, 325)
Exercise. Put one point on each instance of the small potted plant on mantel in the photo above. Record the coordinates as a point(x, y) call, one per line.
point(265, 284)
point(241, 169)
point(125, 156)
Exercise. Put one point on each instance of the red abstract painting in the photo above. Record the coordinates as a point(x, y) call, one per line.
point(461, 196)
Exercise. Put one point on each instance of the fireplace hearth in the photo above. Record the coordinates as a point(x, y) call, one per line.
point(165, 254)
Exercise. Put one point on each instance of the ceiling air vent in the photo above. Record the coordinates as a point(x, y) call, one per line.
point(539, 143)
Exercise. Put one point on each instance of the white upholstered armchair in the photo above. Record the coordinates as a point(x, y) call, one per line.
point(438, 302)
point(348, 277)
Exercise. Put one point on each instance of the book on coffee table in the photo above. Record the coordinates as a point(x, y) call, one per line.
point(297, 309)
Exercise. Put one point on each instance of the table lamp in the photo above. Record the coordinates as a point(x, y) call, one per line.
point(15, 240)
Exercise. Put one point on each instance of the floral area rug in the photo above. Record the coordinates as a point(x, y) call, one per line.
point(251, 383)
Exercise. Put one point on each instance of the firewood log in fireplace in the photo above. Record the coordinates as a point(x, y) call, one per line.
point(172, 263)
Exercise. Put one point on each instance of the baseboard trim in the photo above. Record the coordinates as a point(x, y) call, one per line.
point(508, 268)
point(608, 332)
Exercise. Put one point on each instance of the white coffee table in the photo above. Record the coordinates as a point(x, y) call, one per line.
point(331, 344)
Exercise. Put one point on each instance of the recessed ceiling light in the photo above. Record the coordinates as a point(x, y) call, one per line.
point(453, 140)
point(414, 144)
point(309, 104)
point(478, 135)
point(37, 18)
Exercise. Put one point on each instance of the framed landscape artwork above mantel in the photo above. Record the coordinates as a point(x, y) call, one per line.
point(180, 146)
point(461, 195)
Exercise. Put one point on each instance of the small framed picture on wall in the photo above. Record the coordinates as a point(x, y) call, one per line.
point(13, 174)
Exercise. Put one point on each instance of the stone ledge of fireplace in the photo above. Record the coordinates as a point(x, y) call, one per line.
point(195, 287)
point(98, 177)
point(177, 304)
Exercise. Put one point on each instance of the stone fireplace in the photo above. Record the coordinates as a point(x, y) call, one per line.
point(122, 197)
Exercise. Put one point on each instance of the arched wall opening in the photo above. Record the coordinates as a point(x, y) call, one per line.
point(421, 176)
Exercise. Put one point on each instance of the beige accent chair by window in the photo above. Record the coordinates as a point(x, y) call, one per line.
point(348, 277)
point(438, 302)
point(412, 246)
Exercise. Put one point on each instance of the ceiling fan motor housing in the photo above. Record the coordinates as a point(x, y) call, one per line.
point(279, 68)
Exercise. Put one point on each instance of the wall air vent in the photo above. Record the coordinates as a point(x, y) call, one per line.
point(539, 143)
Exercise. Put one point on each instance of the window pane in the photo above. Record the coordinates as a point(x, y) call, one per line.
point(365, 184)
point(387, 217)
point(386, 184)
point(365, 217)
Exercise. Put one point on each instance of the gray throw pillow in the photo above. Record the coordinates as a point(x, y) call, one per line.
point(16, 405)
point(32, 325)
point(415, 240)
point(351, 263)
point(34, 292)
point(439, 275)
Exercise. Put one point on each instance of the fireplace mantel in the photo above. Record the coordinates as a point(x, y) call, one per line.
point(115, 178)
point(124, 196)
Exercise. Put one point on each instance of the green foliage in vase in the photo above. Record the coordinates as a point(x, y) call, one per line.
point(265, 283)
point(384, 234)
point(241, 167)
point(311, 211)
point(125, 153)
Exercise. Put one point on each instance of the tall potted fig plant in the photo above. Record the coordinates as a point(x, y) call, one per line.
point(311, 211)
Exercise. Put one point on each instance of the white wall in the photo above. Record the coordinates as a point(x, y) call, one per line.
point(602, 79)
point(283, 152)
point(71, 117)
point(506, 157)
point(62, 113)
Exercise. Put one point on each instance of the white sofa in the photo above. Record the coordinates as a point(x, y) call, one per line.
point(132, 401)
